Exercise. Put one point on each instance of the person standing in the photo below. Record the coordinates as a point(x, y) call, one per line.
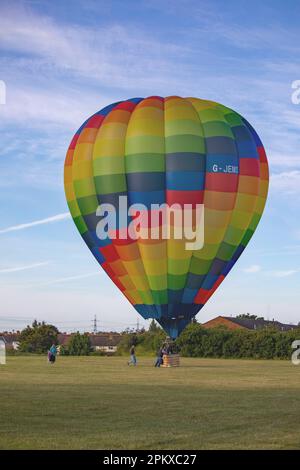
point(159, 358)
point(52, 354)
point(132, 356)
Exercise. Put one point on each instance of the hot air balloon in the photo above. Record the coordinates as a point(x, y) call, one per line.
point(169, 150)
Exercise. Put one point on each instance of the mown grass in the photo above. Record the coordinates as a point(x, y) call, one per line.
point(101, 403)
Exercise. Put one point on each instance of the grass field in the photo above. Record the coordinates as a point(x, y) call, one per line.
point(101, 403)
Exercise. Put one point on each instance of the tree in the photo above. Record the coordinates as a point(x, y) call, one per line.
point(127, 340)
point(191, 340)
point(38, 338)
point(266, 343)
point(79, 345)
point(151, 341)
point(248, 316)
point(234, 345)
point(63, 351)
point(153, 327)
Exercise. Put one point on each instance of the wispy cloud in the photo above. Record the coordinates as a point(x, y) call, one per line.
point(288, 250)
point(254, 268)
point(63, 109)
point(48, 220)
point(70, 278)
point(23, 268)
point(287, 181)
point(77, 49)
point(282, 273)
point(111, 56)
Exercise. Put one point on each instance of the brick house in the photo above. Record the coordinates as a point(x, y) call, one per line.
point(233, 323)
point(63, 339)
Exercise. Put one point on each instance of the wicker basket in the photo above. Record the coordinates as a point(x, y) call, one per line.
point(171, 360)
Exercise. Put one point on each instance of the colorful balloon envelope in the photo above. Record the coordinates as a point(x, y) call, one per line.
point(173, 150)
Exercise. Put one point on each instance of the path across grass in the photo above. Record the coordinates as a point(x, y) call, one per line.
point(101, 403)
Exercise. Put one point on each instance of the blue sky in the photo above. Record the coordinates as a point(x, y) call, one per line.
point(62, 61)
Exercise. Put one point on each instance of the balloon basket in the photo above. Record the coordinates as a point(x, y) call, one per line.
point(171, 360)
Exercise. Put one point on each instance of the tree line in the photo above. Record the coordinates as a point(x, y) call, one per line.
point(39, 337)
point(265, 343)
point(194, 341)
point(220, 342)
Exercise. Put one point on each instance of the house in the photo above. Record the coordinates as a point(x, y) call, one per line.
point(104, 342)
point(234, 323)
point(63, 339)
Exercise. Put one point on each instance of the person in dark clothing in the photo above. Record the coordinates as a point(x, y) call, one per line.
point(132, 356)
point(159, 358)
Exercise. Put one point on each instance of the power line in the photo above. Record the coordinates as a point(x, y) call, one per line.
point(95, 329)
point(7, 319)
point(17, 322)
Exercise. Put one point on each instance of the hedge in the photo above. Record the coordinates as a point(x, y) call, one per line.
point(267, 343)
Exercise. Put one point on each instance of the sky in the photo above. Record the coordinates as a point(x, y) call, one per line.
point(62, 61)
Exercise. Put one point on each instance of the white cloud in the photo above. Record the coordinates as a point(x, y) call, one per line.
point(48, 220)
point(287, 181)
point(52, 58)
point(70, 278)
point(29, 106)
point(282, 273)
point(255, 268)
point(288, 250)
point(112, 54)
point(23, 268)
point(283, 159)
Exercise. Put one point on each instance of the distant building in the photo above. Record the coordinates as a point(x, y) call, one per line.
point(63, 339)
point(233, 323)
point(105, 342)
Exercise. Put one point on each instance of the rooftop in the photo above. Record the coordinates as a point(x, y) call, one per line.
point(258, 323)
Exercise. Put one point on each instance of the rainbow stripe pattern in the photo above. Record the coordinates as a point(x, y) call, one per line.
point(168, 150)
